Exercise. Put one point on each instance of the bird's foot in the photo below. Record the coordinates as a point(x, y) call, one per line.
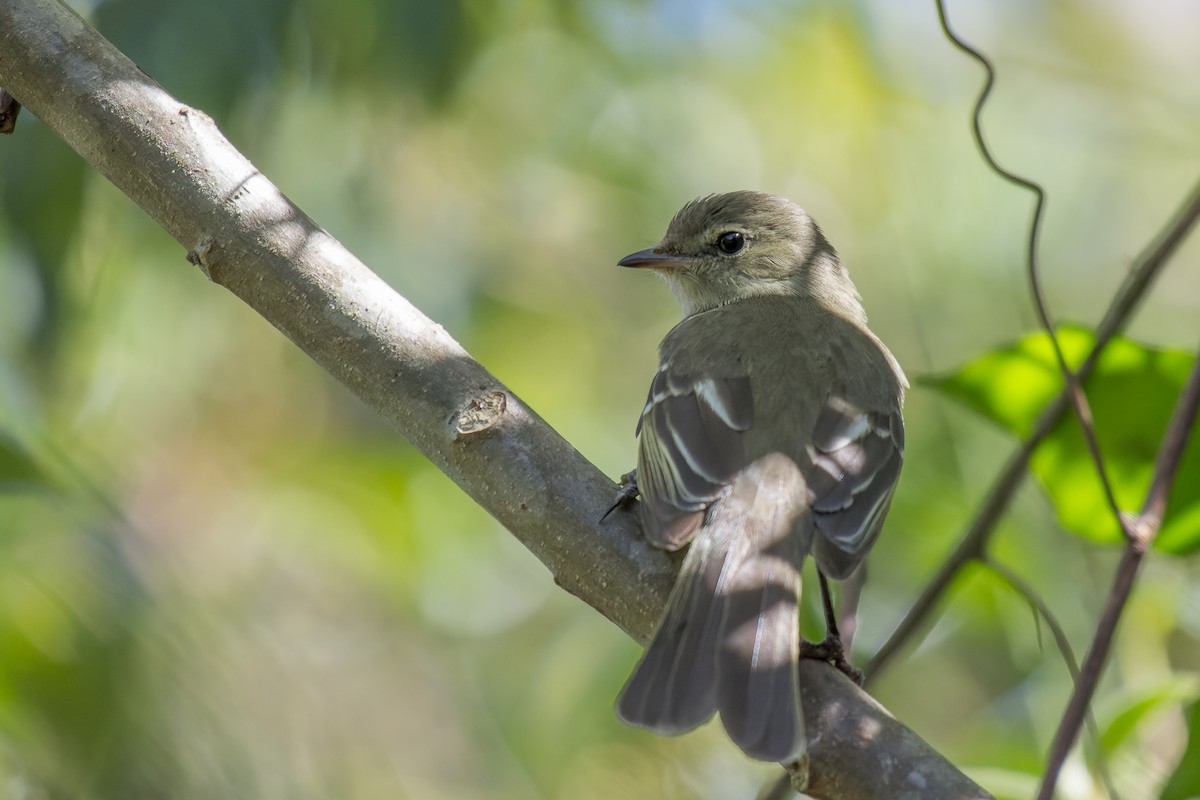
point(626, 494)
point(832, 652)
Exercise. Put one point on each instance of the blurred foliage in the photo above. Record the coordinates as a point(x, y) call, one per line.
point(1131, 392)
point(1185, 783)
point(222, 576)
point(17, 468)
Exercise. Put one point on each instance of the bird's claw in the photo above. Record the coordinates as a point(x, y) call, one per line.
point(626, 493)
point(832, 652)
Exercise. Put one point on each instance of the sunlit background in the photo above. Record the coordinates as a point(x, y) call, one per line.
point(225, 577)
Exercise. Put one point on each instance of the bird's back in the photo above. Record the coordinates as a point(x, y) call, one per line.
point(804, 363)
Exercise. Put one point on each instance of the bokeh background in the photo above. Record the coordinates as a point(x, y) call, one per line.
point(222, 576)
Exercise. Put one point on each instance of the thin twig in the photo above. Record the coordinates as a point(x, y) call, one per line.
point(1093, 666)
point(1146, 525)
point(1074, 387)
point(174, 162)
point(1021, 587)
point(1179, 430)
point(1043, 612)
point(974, 542)
point(1142, 274)
point(971, 547)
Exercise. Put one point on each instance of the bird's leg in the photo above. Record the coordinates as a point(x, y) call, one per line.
point(626, 494)
point(831, 649)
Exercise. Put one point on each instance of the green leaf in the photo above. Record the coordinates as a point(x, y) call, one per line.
point(1011, 385)
point(1132, 393)
point(1135, 707)
point(1185, 783)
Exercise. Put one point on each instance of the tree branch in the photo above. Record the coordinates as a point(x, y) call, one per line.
point(973, 545)
point(246, 236)
point(974, 542)
point(1145, 527)
point(1074, 390)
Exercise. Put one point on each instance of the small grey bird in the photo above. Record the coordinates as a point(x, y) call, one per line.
point(772, 431)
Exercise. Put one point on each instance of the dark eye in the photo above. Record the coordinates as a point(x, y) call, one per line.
point(730, 242)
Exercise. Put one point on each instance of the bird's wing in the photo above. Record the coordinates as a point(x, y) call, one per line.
point(856, 456)
point(690, 446)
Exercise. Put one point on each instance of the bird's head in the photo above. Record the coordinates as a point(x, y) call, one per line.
point(724, 248)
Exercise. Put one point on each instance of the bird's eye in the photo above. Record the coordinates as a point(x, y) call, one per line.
point(730, 242)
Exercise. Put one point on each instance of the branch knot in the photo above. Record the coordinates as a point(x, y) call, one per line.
point(480, 415)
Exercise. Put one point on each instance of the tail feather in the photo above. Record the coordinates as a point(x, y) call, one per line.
point(730, 638)
point(759, 695)
point(674, 687)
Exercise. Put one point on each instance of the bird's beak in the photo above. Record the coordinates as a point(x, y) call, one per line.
point(652, 257)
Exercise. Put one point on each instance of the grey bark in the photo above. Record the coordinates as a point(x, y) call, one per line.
point(233, 223)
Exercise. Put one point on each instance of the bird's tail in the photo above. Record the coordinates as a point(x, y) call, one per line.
point(729, 640)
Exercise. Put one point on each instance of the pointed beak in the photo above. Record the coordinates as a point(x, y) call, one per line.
point(652, 257)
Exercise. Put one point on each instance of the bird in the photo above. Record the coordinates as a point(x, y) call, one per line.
point(772, 432)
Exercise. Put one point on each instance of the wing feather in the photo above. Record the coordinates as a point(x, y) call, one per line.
point(690, 447)
point(856, 456)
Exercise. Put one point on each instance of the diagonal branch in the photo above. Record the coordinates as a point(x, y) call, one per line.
point(1145, 526)
point(974, 543)
point(246, 236)
point(1043, 612)
point(1074, 385)
point(1170, 454)
point(1139, 532)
